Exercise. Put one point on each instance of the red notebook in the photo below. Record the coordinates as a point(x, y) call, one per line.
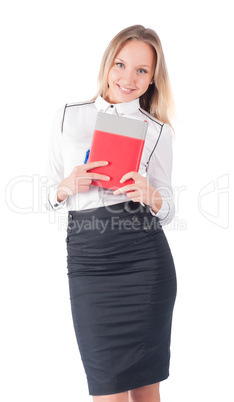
point(120, 141)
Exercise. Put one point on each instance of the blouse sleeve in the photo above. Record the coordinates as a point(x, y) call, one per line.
point(159, 175)
point(54, 170)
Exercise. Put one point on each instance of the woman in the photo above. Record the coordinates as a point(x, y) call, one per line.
point(121, 273)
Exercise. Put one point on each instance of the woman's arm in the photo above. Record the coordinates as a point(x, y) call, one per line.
point(159, 175)
point(54, 170)
point(58, 187)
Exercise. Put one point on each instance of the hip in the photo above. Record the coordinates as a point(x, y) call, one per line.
point(111, 228)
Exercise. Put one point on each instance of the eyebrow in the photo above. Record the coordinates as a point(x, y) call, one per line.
point(141, 65)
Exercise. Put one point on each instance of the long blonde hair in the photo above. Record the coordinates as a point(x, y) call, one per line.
point(158, 99)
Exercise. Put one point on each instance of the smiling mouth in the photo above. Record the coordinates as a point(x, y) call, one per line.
point(125, 90)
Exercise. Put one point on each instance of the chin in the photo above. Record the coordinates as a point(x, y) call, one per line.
point(125, 98)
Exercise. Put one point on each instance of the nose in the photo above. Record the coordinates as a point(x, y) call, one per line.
point(129, 79)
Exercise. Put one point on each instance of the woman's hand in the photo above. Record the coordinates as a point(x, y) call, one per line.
point(79, 180)
point(140, 191)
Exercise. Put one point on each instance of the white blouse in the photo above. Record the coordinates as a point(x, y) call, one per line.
point(71, 137)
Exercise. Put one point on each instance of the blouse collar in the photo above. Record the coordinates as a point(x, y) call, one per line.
point(121, 108)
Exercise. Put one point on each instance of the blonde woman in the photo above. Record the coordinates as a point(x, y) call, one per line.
point(122, 278)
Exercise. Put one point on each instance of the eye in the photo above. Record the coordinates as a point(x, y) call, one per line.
point(142, 71)
point(120, 65)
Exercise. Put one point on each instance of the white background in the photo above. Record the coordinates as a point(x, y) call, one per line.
point(50, 55)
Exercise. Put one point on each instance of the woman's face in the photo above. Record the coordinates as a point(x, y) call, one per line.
point(131, 73)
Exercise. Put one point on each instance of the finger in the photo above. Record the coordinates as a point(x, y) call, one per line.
point(82, 189)
point(84, 181)
point(122, 190)
point(129, 175)
point(92, 176)
point(133, 195)
point(97, 176)
point(92, 165)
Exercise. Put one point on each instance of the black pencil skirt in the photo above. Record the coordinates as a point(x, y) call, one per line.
point(122, 284)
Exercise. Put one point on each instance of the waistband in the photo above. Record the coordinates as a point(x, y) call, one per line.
point(123, 208)
point(127, 217)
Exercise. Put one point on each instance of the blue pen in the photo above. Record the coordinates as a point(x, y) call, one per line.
point(87, 156)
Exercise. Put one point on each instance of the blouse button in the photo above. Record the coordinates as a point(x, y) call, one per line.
point(112, 106)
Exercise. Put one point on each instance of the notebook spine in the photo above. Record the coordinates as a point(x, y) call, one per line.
point(141, 147)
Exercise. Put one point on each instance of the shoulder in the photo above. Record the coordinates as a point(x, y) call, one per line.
point(151, 118)
point(79, 104)
point(164, 128)
point(77, 111)
point(73, 107)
